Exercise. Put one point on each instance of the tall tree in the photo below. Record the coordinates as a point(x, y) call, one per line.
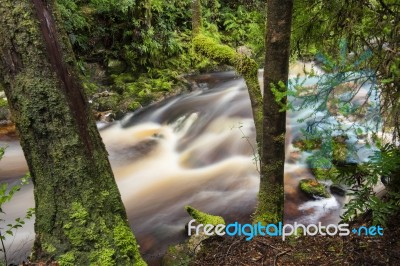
point(276, 69)
point(80, 218)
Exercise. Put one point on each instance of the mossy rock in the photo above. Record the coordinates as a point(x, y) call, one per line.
point(204, 218)
point(109, 102)
point(313, 189)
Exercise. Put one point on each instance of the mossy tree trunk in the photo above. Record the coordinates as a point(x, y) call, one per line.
point(196, 17)
point(244, 65)
point(277, 42)
point(80, 218)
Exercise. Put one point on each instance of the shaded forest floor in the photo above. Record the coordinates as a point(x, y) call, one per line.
point(318, 250)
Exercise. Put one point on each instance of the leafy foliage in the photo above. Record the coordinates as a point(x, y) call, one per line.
point(152, 40)
point(367, 26)
point(362, 179)
point(338, 125)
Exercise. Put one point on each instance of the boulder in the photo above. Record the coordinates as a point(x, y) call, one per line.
point(313, 189)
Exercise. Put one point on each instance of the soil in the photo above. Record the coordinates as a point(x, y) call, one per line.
point(305, 250)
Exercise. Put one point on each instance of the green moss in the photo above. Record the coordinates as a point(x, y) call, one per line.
point(270, 203)
point(339, 149)
point(126, 243)
point(134, 105)
point(271, 194)
point(223, 54)
point(3, 103)
point(313, 188)
point(204, 218)
point(78, 213)
point(49, 248)
point(244, 65)
point(325, 173)
point(106, 103)
point(76, 228)
point(67, 259)
point(103, 257)
point(120, 249)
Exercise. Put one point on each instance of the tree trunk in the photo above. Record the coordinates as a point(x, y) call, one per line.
point(80, 218)
point(196, 17)
point(277, 42)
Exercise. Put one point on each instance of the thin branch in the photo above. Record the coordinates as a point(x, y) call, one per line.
point(280, 254)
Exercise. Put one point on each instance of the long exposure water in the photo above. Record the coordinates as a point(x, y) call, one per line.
point(195, 149)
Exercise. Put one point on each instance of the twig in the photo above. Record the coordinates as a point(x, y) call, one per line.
point(4, 249)
point(280, 254)
point(229, 249)
point(194, 250)
point(255, 154)
point(273, 247)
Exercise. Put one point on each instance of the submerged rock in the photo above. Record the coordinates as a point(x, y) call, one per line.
point(313, 189)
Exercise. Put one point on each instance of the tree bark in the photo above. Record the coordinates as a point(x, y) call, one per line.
point(196, 17)
point(80, 218)
point(277, 42)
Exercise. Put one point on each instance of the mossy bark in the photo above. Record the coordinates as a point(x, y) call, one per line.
point(244, 65)
point(196, 17)
point(277, 42)
point(80, 218)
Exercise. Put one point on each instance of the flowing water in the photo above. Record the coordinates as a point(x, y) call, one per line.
point(195, 149)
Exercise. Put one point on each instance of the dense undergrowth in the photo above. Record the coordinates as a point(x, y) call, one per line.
point(139, 50)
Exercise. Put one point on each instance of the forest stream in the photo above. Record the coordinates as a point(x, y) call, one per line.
point(195, 149)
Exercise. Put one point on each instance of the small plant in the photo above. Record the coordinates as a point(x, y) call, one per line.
point(384, 166)
point(6, 194)
point(254, 148)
